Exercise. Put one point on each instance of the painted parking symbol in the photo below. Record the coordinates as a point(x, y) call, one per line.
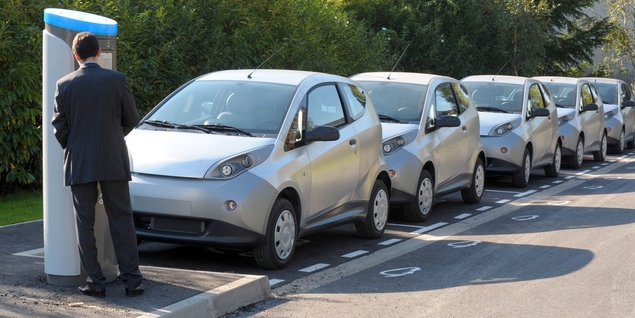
point(594, 187)
point(463, 244)
point(400, 271)
point(525, 217)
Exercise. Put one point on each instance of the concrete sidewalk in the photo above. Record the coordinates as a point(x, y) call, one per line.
point(24, 291)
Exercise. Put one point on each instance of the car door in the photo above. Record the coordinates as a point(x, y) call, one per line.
point(592, 121)
point(628, 113)
point(334, 164)
point(541, 127)
point(452, 143)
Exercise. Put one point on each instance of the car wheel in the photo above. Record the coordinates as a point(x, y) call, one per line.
point(619, 148)
point(475, 192)
point(553, 169)
point(377, 213)
point(279, 245)
point(600, 155)
point(576, 161)
point(419, 209)
point(521, 178)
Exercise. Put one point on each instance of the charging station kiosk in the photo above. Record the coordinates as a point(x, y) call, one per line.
point(61, 254)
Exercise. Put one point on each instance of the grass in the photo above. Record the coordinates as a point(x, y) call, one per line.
point(21, 207)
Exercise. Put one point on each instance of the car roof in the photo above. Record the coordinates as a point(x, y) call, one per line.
point(521, 80)
point(401, 77)
point(560, 79)
point(289, 77)
point(603, 80)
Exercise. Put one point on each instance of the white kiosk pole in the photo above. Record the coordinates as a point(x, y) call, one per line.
point(61, 254)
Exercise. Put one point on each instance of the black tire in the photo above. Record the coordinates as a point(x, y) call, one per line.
point(419, 209)
point(553, 169)
point(521, 178)
point(621, 144)
point(576, 161)
point(376, 214)
point(474, 193)
point(600, 155)
point(280, 238)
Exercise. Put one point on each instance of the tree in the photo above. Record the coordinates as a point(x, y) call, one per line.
point(620, 48)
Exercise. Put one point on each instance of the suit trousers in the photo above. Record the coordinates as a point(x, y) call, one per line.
point(116, 198)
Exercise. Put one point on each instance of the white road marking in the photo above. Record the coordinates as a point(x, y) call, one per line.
point(526, 193)
point(595, 167)
point(525, 218)
point(484, 208)
point(502, 201)
point(582, 172)
point(400, 271)
point(314, 267)
point(275, 281)
point(354, 254)
point(389, 242)
point(463, 244)
point(429, 228)
point(569, 177)
point(462, 216)
point(501, 191)
point(546, 186)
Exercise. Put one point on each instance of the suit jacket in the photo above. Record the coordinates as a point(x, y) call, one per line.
point(92, 107)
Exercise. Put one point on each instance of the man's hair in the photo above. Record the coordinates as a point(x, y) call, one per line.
point(86, 45)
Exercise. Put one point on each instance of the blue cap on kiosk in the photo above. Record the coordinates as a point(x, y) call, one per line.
point(80, 21)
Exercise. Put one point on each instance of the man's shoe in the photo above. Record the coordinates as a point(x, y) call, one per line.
point(136, 291)
point(88, 290)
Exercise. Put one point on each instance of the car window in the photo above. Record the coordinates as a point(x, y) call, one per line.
point(402, 101)
point(626, 93)
point(294, 138)
point(536, 99)
point(608, 92)
point(324, 107)
point(445, 101)
point(546, 94)
point(355, 100)
point(463, 97)
point(586, 96)
point(594, 93)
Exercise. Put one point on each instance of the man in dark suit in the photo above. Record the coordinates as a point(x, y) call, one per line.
point(92, 107)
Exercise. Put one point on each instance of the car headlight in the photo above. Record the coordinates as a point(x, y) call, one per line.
point(562, 120)
point(231, 167)
point(390, 146)
point(608, 114)
point(505, 128)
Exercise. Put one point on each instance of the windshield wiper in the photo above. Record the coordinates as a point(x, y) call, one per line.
point(491, 109)
point(167, 124)
point(388, 118)
point(226, 127)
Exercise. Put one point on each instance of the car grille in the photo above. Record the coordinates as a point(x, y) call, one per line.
point(171, 224)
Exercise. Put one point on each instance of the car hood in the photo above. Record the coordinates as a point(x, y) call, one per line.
point(490, 120)
point(569, 112)
point(389, 130)
point(610, 107)
point(184, 154)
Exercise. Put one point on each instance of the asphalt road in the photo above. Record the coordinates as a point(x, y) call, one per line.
point(565, 250)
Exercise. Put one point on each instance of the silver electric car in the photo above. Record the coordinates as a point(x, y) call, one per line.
point(519, 127)
point(580, 118)
point(257, 159)
point(430, 138)
point(619, 113)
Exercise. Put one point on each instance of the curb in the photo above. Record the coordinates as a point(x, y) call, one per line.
point(221, 300)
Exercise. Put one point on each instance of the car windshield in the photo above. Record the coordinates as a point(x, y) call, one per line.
point(236, 107)
point(563, 94)
point(608, 92)
point(496, 96)
point(397, 102)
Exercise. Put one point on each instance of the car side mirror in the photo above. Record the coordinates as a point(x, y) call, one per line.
point(322, 133)
point(540, 112)
point(628, 103)
point(591, 106)
point(448, 121)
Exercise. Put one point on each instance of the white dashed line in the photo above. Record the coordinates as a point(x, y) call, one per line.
point(429, 228)
point(546, 186)
point(501, 191)
point(595, 167)
point(569, 177)
point(502, 201)
point(391, 241)
point(605, 164)
point(558, 181)
point(314, 267)
point(583, 172)
point(526, 193)
point(484, 208)
point(462, 216)
point(275, 281)
point(354, 254)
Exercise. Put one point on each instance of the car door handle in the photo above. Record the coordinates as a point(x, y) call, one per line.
point(464, 128)
point(352, 142)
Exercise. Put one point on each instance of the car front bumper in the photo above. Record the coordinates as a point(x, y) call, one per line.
point(498, 161)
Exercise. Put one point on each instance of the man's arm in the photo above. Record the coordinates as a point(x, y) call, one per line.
point(60, 123)
point(130, 115)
